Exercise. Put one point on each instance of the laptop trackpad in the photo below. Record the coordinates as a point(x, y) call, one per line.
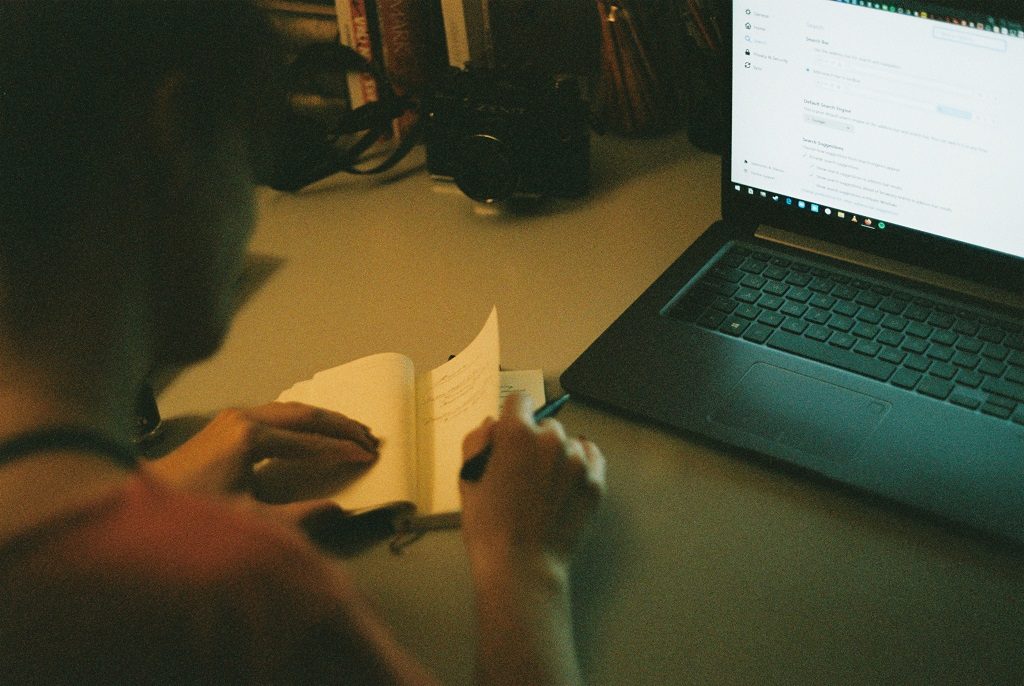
point(810, 415)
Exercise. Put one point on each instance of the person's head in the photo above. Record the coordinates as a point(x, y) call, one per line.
point(124, 162)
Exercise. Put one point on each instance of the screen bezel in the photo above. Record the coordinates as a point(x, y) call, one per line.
point(987, 267)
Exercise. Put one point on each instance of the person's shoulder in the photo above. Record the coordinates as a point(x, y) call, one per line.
point(156, 583)
point(161, 533)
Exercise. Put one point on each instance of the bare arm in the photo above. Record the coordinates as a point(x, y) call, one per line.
point(521, 522)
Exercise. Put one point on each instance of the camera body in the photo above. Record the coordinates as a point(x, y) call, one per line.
point(499, 133)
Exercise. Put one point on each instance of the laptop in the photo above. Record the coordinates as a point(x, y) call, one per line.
point(857, 312)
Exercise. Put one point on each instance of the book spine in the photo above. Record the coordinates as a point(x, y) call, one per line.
point(467, 31)
point(354, 31)
point(412, 43)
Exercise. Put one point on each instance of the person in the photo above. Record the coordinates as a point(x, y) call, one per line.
point(126, 202)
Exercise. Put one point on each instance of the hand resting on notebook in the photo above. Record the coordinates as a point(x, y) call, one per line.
point(219, 459)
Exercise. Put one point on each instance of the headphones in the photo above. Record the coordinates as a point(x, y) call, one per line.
point(303, 144)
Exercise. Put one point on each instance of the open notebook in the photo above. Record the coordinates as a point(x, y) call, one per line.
point(421, 419)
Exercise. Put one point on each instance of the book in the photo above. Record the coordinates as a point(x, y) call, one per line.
point(421, 420)
point(354, 26)
point(467, 30)
point(412, 44)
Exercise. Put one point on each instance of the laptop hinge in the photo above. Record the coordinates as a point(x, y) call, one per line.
point(893, 267)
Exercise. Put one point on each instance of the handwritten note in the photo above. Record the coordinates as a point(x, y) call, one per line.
point(452, 400)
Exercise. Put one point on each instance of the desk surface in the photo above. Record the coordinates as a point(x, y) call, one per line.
point(704, 566)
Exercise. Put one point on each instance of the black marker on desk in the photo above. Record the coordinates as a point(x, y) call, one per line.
point(474, 467)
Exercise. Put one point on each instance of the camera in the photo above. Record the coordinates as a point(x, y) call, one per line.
point(498, 133)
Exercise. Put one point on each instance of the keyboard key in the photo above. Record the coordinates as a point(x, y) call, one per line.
point(890, 338)
point(940, 352)
point(842, 340)
point(965, 360)
point(935, 388)
point(840, 323)
point(1014, 375)
point(728, 274)
point(847, 309)
point(863, 330)
point(798, 280)
point(894, 322)
point(822, 284)
point(734, 326)
point(755, 281)
point(868, 299)
point(944, 337)
point(758, 333)
point(914, 345)
point(920, 330)
point(892, 355)
point(996, 411)
point(991, 334)
point(917, 312)
point(941, 320)
point(1004, 388)
point(905, 378)
point(966, 327)
point(816, 316)
point(943, 370)
point(836, 357)
point(969, 345)
point(995, 352)
point(722, 304)
point(800, 295)
point(795, 326)
point(747, 311)
point(1002, 402)
point(1014, 341)
point(893, 305)
point(817, 332)
point(868, 348)
point(748, 295)
point(991, 368)
point(772, 319)
point(869, 316)
point(712, 319)
point(775, 288)
point(753, 266)
point(963, 399)
point(823, 301)
point(969, 378)
point(918, 363)
point(791, 309)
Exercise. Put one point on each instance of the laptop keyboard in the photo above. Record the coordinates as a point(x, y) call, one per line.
point(955, 354)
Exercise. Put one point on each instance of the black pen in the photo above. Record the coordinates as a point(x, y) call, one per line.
point(474, 467)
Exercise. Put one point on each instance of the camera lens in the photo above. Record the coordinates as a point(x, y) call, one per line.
point(485, 170)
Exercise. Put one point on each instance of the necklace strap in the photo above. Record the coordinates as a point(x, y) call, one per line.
point(60, 438)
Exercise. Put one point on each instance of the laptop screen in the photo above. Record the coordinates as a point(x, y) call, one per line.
point(879, 117)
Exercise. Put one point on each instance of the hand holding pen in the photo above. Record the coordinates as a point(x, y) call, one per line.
point(473, 468)
point(521, 523)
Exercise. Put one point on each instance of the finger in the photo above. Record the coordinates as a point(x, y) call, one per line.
point(301, 417)
point(596, 466)
point(296, 513)
point(554, 428)
point(284, 444)
point(477, 439)
point(520, 406)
